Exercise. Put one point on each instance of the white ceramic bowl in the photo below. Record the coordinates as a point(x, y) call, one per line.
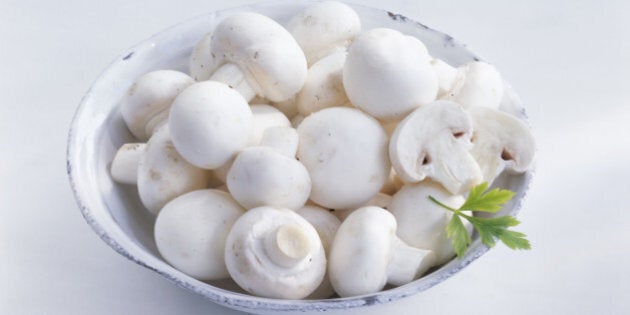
point(114, 211)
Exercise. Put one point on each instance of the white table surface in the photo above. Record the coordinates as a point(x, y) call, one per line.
point(567, 59)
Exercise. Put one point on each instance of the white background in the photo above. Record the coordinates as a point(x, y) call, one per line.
point(569, 61)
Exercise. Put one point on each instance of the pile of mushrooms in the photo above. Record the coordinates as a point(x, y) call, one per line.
point(297, 159)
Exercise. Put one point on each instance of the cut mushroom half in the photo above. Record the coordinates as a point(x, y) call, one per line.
point(366, 254)
point(275, 253)
point(434, 141)
point(501, 142)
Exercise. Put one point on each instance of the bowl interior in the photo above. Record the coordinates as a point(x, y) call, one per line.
point(114, 211)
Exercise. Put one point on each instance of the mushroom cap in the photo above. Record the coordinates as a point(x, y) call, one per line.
point(275, 253)
point(422, 223)
point(477, 84)
point(324, 85)
point(266, 116)
point(326, 225)
point(202, 62)
point(345, 152)
point(124, 168)
point(388, 74)
point(191, 230)
point(163, 174)
point(210, 123)
point(271, 59)
point(361, 251)
point(501, 142)
point(146, 104)
point(282, 139)
point(447, 75)
point(324, 28)
point(434, 141)
point(261, 176)
point(324, 222)
point(287, 107)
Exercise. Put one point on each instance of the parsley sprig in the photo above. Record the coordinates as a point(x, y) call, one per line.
point(490, 229)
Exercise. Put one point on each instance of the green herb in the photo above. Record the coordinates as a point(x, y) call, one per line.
point(480, 199)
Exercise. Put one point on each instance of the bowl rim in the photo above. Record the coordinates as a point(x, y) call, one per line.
point(235, 300)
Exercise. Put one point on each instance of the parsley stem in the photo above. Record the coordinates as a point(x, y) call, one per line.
point(443, 205)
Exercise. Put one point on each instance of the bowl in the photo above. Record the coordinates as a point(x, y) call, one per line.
point(115, 213)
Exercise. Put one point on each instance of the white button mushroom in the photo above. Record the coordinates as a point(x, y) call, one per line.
point(146, 105)
point(447, 76)
point(202, 61)
point(422, 223)
point(191, 230)
point(393, 183)
point(124, 168)
point(477, 84)
point(501, 142)
point(324, 85)
point(434, 141)
point(388, 74)
point(380, 200)
point(265, 116)
point(282, 139)
point(257, 56)
point(324, 28)
point(366, 254)
point(163, 174)
point(345, 152)
point(210, 123)
point(275, 253)
point(260, 176)
point(288, 107)
point(297, 120)
point(326, 225)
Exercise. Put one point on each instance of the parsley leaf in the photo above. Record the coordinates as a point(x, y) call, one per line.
point(490, 229)
point(487, 201)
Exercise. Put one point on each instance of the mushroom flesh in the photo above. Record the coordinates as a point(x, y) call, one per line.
point(501, 142)
point(434, 141)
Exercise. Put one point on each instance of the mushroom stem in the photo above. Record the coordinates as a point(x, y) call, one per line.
point(407, 263)
point(232, 75)
point(458, 173)
point(124, 167)
point(288, 245)
point(156, 122)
